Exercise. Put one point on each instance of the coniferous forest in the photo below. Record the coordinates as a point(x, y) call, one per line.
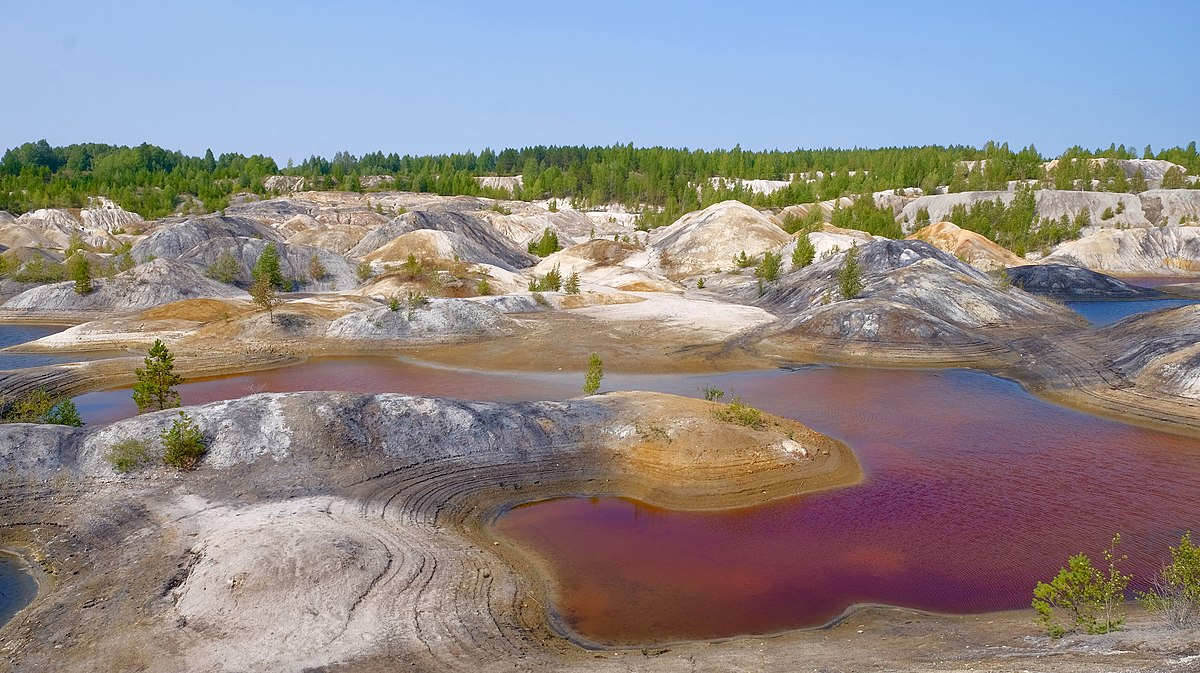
point(662, 183)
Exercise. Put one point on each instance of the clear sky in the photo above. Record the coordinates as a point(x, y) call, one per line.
point(291, 79)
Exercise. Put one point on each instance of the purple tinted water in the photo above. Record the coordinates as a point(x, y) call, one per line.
point(974, 491)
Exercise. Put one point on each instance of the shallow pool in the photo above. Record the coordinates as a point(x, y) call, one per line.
point(1101, 313)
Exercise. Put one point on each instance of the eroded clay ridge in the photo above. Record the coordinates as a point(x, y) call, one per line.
point(332, 528)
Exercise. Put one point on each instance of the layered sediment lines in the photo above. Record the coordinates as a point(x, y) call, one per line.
point(326, 529)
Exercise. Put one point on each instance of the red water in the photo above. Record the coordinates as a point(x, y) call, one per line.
point(974, 491)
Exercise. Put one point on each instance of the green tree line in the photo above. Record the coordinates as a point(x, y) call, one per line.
point(154, 181)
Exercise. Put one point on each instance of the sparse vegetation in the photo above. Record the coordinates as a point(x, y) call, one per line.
point(550, 282)
point(364, 272)
point(1083, 597)
point(156, 381)
point(129, 455)
point(483, 288)
point(740, 413)
point(225, 268)
point(572, 284)
point(546, 245)
point(183, 443)
point(316, 270)
point(712, 394)
point(39, 406)
point(742, 260)
point(595, 372)
point(768, 267)
point(1176, 592)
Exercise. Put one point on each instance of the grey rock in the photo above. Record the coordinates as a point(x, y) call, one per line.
point(175, 238)
point(498, 250)
point(293, 261)
point(1072, 282)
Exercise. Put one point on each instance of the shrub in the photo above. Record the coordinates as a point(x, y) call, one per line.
point(316, 270)
point(803, 253)
point(1176, 593)
point(394, 304)
point(741, 413)
point(849, 276)
point(540, 299)
point(1088, 597)
point(63, 413)
point(411, 267)
point(545, 245)
point(224, 268)
point(700, 283)
point(183, 443)
point(768, 267)
point(483, 288)
point(572, 284)
point(742, 260)
point(30, 407)
point(364, 272)
point(129, 455)
point(1107, 214)
point(595, 372)
point(551, 282)
point(712, 394)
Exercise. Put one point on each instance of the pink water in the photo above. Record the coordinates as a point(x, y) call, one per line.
point(974, 491)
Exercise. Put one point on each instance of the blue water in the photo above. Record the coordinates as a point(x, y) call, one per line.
point(17, 586)
point(11, 335)
point(1100, 313)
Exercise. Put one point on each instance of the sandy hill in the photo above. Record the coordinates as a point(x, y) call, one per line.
point(433, 244)
point(483, 238)
point(1163, 352)
point(307, 230)
point(609, 263)
point(977, 250)
point(155, 283)
point(1155, 250)
point(703, 241)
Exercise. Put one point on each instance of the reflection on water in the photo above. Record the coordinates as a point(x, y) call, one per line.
point(11, 335)
point(974, 491)
point(1107, 312)
point(17, 585)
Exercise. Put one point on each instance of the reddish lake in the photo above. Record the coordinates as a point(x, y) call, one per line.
point(974, 491)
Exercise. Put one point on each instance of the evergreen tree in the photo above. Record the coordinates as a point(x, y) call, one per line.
point(268, 267)
point(155, 387)
point(80, 271)
point(595, 372)
point(1137, 184)
point(803, 253)
point(224, 268)
point(849, 276)
point(265, 295)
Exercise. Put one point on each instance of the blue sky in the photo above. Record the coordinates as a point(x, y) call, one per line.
point(290, 79)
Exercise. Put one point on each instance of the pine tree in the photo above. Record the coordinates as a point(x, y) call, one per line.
point(268, 267)
point(803, 253)
point(265, 295)
point(80, 271)
point(849, 276)
point(595, 372)
point(154, 389)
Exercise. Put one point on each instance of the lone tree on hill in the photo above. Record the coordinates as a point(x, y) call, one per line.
point(154, 389)
point(264, 294)
point(268, 267)
point(849, 275)
point(80, 270)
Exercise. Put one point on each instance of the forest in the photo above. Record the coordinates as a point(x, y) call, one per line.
point(661, 183)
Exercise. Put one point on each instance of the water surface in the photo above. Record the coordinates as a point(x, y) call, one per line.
point(18, 587)
point(1100, 313)
point(974, 491)
point(11, 335)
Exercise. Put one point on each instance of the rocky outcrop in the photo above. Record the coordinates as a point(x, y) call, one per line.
point(507, 183)
point(1152, 251)
point(283, 184)
point(175, 238)
point(430, 320)
point(103, 215)
point(914, 296)
point(481, 235)
point(975, 249)
point(607, 263)
point(1171, 206)
point(703, 241)
point(1160, 351)
point(1072, 282)
point(431, 244)
point(155, 283)
point(295, 262)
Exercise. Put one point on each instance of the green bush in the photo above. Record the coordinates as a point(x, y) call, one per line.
point(63, 413)
point(225, 268)
point(483, 288)
point(849, 276)
point(1087, 597)
point(572, 284)
point(545, 245)
point(741, 413)
point(129, 455)
point(742, 260)
point(364, 272)
point(768, 268)
point(712, 394)
point(1176, 593)
point(803, 253)
point(595, 372)
point(551, 282)
point(183, 443)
